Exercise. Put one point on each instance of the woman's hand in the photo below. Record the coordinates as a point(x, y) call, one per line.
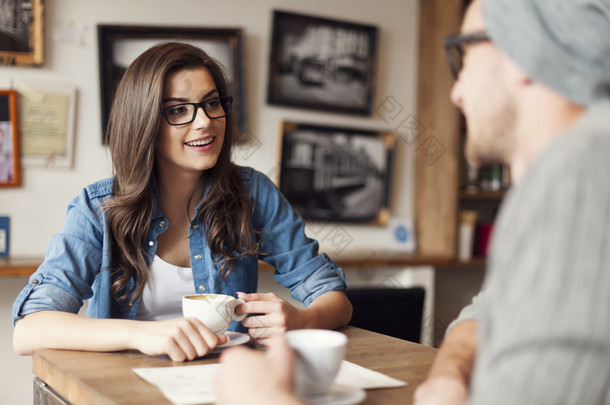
point(274, 316)
point(180, 338)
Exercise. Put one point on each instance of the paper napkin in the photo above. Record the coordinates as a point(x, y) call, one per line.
point(188, 385)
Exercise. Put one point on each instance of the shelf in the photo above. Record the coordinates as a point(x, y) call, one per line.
point(475, 261)
point(482, 195)
point(19, 266)
point(404, 260)
point(398, 260)
point(25, 266)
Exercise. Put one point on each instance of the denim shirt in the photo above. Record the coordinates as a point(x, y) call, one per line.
point(76, 266)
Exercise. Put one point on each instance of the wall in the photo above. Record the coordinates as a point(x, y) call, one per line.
point(15, 371)
point(454, 288)
point(37, 207)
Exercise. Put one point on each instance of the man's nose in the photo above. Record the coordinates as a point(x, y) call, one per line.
point(456, 95)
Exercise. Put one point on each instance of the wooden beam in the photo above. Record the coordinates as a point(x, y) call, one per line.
point(436, 147)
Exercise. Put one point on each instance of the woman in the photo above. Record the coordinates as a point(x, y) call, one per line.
point(178, 217)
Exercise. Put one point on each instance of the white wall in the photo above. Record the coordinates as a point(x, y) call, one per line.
point(37, 207)
point(15, 371)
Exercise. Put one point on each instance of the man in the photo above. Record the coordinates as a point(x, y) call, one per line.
point(534, 90)
point(534, 86)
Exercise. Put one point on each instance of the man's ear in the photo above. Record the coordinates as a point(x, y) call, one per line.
point(515, 75)
point(520, 78)
point(525, 80)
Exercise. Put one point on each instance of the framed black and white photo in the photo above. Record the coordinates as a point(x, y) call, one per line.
point(9, 139)
point(22, 32)
point(322, 64)
point(119, 45)
point(336, 174)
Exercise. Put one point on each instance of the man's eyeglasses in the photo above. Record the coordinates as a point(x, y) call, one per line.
point(454, 47)
point(185, 113)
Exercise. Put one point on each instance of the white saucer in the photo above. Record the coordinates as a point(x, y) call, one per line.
point(235, 339)
point(337, 395)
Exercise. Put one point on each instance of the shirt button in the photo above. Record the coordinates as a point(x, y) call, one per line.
point(161, 224)
point(35, 283)
point(197, 257)
point(151, 243)
point(195, 227)
point(201, 287)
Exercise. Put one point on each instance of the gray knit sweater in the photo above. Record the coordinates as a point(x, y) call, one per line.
point(545, 313)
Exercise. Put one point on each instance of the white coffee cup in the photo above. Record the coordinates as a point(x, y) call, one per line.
point(319, 355)
point(216, 311)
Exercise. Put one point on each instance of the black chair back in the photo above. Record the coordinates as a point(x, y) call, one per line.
point(394, 312)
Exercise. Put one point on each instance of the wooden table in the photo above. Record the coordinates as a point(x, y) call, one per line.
point(107, 378)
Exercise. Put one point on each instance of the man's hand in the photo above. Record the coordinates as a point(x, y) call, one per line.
point(441, 390)
point(252, 377)
point(449, 377)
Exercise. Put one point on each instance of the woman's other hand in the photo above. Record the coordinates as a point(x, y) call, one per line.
point(180, 338)
point(270, 315)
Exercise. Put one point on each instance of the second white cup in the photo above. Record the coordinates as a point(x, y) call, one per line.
point(319, 355)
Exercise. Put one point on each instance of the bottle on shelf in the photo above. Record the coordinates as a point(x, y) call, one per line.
point(466, 235)
point(494, 177)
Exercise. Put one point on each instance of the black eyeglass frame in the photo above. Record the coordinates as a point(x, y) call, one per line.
point(225, 102)
point(457, 41)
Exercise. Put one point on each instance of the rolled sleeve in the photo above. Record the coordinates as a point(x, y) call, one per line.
point(73, 260)
point(40, 295)
point(318, 276)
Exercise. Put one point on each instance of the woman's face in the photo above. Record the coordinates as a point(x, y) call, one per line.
point(188, 149)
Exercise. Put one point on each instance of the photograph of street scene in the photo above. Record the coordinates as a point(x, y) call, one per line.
point(15, 20)
point(333, 174)
point(321, 64)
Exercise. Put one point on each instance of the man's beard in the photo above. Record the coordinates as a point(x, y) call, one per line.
point(492, 140)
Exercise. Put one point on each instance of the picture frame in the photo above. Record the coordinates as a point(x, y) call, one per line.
point(10, 175)
point(47, 116)
point(119, 45)
point(22, 33)
point(322, 64)
point(336, 174)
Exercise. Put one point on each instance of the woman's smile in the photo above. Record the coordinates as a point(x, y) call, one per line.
point(194, 146)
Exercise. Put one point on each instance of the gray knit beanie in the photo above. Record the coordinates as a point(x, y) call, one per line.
point(563, 44)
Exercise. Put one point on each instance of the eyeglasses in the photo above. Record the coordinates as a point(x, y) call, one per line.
point(454, 47)
point(185, 113)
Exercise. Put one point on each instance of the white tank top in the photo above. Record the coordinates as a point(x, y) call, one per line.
point(162, 295)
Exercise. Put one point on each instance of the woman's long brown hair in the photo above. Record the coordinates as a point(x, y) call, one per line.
point(131, 132)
